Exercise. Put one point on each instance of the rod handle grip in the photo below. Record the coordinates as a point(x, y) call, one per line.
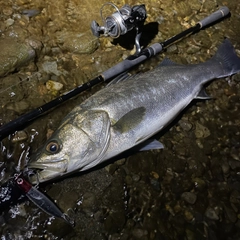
point(222, 12)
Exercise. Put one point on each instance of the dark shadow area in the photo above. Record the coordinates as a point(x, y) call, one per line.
point(10, 195)
point(149, 31)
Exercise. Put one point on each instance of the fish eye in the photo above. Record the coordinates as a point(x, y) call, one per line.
point(53, 147)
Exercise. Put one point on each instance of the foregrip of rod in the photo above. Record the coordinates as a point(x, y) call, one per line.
point(132, 61)
point(222, 12)
point(122, 67)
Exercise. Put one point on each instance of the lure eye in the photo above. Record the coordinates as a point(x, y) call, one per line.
point(53, 147)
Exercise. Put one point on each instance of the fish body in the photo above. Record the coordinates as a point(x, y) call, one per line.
point(127, 113)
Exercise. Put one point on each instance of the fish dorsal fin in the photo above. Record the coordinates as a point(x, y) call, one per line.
point(202, 95)
point(168, 62)
point(122, 77)
point(130, 120)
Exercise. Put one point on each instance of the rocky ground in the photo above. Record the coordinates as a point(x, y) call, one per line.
point(189, 190)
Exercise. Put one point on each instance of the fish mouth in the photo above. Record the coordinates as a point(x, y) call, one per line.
point(46, 171)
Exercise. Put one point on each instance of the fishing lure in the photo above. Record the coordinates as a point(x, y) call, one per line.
point(40, 199)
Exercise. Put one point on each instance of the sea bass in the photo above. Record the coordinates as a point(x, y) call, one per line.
point(127, 113)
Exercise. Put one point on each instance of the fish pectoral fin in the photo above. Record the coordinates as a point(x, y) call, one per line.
point(130, 120)
point(150, 144)
point(203, 95)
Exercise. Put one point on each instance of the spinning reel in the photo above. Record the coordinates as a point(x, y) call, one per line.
point(122, 21)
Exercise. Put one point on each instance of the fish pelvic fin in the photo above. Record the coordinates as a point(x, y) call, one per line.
point(150, 144)
point(227, 57)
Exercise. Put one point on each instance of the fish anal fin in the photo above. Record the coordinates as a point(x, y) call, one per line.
point(203, 95)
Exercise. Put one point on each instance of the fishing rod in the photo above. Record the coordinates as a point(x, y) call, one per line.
point(119, 23)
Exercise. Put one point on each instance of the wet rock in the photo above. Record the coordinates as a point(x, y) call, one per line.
point(225, 168)
point(19, 136)
point(136, 177)
point(35, 44)
point(177, 186)
point(78, 43)
point(193, 49)
point(190, 235)
point(195, 167)
point(67, 201)
point(18, 210)
point(111, 168)
point(128, 180)
point(180, 165)
point(235, 199)
point(172, 49)
point(211, 234)
point(211, 214)
point(183, 9)
point(234, 165)
point(235, 153)
point(19, 107)
point(201, 131)
point(51, 67)
point(231, 215)
point(185, 125)
point(149, 222)
point(154, 175)
point(59, 228)
point(178, 223)
point(120, 162)
point(114, 221)
point(155, 184)
point(188, 215)
point(138, 233)
point(9, 22)
point(189, 197)
point(8, 11)
point(238, 224)
point(88, 202)
point(53, 86)
point(13, 55)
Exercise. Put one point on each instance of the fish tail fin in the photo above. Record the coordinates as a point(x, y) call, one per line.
point(227, 57)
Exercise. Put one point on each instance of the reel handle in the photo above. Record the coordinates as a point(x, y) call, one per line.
point(222, 12)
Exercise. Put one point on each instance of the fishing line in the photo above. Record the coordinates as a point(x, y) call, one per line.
point(21, 81)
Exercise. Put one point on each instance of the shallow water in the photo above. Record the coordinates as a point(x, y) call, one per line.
point(188, 190)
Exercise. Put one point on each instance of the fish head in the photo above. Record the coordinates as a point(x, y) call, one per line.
point(78, 144)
